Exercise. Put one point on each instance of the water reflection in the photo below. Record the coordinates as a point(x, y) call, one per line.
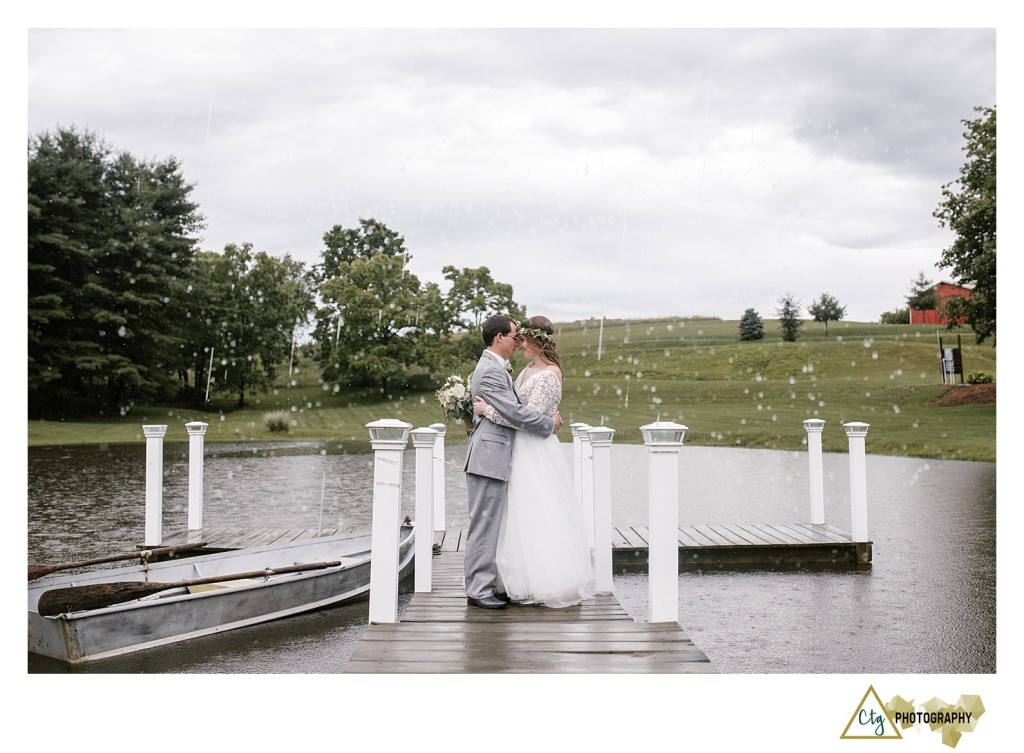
point(928, 603)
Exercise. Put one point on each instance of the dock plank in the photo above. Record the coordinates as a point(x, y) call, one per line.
point(439, 633)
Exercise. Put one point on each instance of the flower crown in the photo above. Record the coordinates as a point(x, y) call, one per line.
point(534, 333)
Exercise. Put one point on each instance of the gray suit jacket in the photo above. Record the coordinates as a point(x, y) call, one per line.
point(490, 444)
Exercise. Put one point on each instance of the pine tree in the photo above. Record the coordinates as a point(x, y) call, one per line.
point(751, 326)
point(789, 318)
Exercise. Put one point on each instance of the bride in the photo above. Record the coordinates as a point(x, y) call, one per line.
point(543, 557)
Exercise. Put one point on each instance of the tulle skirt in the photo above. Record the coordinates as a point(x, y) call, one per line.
point(543, 556)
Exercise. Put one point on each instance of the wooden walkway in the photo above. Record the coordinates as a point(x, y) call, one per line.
point(754, 545)
point(439, 633)
point(775, 545)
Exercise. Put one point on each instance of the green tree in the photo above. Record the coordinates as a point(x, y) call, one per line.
point(110, 243)
point(789, 317)
point(344, 245)
point(475, 295)
point(751, 326)
point(826, 309)
point(968, 209)
point(204, 309)
point(896, 316)
point(375, 319)
point(922, 294)
point(368, 327)
point(260, 302)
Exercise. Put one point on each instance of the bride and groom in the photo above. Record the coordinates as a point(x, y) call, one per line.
point(526, 543)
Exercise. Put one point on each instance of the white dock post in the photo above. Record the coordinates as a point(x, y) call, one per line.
point(388, 438)
point(814, 427)
point(856, 432)
point(154, 483)
point(577, 458)
point(439, 494)
point(196, 430)
point(664, 440)
point(424, 442)
point(587, 485)
point(601, 444)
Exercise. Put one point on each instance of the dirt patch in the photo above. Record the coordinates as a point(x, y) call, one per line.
point(966, 394)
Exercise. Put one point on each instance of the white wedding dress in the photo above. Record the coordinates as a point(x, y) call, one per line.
point(543, 557)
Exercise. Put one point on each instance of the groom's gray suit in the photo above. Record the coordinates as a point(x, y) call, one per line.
point(488, 465)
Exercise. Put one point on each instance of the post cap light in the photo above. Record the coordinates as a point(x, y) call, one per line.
point(389, 430)
point(814, 424)
point(578, 427)
point(423, 437)
point(663, 433)
point(600, 434)
point(856, 429)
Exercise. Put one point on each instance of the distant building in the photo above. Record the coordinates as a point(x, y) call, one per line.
point(937, 315)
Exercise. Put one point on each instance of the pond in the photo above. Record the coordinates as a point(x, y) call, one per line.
point(926, 605)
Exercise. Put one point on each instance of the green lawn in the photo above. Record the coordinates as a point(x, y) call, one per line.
point(695, 372)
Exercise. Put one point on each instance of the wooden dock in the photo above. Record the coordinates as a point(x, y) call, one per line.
point(758, 545)
point(439, 633)
point(220, 539)
point(711, 546)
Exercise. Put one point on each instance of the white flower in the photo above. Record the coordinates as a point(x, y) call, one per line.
point(459, 390)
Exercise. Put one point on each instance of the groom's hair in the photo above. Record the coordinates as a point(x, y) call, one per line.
point(495, 325)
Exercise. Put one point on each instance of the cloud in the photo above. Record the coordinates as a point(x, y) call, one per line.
point(624, 172)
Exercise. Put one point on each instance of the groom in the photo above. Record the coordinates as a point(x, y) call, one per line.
point(489, 460)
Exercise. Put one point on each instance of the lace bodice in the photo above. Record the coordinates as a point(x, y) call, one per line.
point(541, 392)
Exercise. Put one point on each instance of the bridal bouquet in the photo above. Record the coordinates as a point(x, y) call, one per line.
point(456, 400)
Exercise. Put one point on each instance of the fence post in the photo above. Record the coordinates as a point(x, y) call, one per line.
point(439, 493)
point(587, 486)
point(423, 440)
point(577, 458)
point(601, 442)
point(154, 483)
point(664, 440)
point(388, 438)
point(856, 432)
point(196, 431)
point(814, 427)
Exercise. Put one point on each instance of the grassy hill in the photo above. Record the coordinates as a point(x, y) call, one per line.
point(693, 371)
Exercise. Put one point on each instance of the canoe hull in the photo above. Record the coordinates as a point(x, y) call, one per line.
point(177, 615)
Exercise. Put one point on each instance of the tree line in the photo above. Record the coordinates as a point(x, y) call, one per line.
point(968, 209)
point(124, 308)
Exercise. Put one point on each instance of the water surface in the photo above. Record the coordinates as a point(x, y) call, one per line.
point(927, 604)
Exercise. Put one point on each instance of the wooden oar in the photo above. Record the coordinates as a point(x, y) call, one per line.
point(98, 595)
point(38, 571)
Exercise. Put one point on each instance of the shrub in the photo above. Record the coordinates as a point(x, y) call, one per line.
point(751, 326)
point(979, 377)
point(896, 316)
point(278, 420)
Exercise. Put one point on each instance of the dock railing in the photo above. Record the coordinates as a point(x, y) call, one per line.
point(591, 474)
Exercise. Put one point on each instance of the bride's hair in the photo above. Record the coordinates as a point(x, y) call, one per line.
point(538, 330)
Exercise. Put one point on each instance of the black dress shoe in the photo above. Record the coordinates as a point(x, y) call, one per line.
point(503, 597)
point(487, 602)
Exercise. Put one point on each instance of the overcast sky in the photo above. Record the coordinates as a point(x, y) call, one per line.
point(616, 172)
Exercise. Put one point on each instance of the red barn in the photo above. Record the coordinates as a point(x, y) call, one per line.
point(937, 315)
